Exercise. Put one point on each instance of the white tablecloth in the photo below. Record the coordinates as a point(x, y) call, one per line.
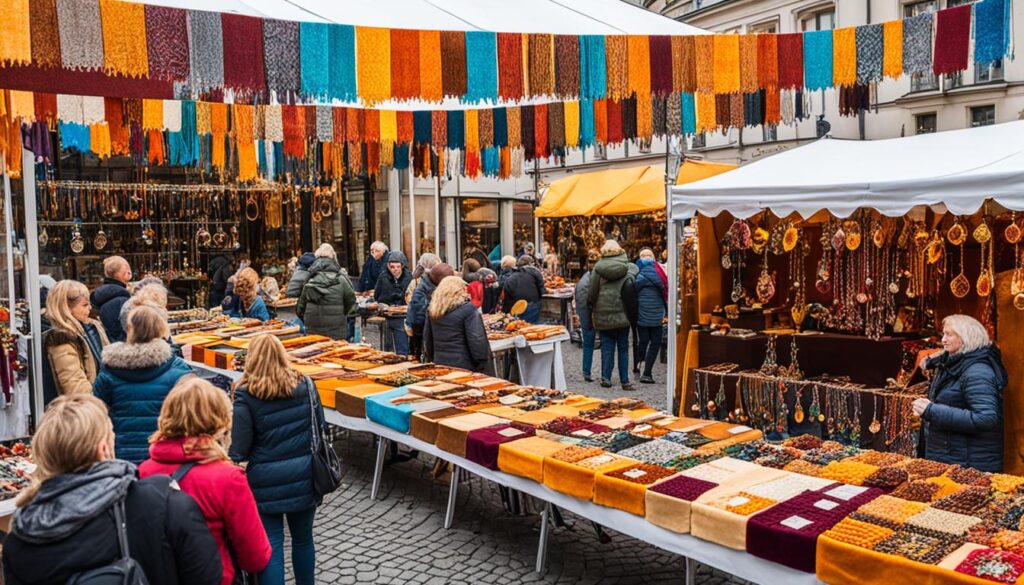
point(540, 362)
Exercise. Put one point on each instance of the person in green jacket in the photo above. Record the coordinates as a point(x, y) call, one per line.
point(327, 298)
point(613, 309)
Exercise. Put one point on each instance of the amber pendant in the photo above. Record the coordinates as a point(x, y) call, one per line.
point(984, 284)
point(798, 414)
point(875, 426)
point(1012, 233)
point(960, 286)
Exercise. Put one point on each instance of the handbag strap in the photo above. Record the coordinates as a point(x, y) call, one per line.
point(180, 473)
point(313, 419)
point(122, 530)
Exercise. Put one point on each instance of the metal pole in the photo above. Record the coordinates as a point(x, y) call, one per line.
point(378, 468)
point(413, 239)
point(453, 494)
point(542, 545)
point(673, 313)
point(437, 214)
point(9, 225)
point(28, 183)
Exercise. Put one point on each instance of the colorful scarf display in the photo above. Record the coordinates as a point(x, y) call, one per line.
point(500, 117)
point(510, 66)
point(917, 44)
point(373, 63)
point(870, 53)
point(727, 63)
point(892, 65)
point(991, 31)
point(593, 67)
point(405, 64)
point(81, 34)
point(513, 118)
point(688, 105)
point(15, 40)
point(431, 77)
point(748, 64)
point(481, 66)
point(243, 53)
point(453, 63)
point(661, 65)
point(818, 62)
point(567, 66)
point(282, 54)
point(44, 29)
point(342, 63)
point(768, 61)
point(952, 38)
point(616, 66)
point(704, 59)
point(685, 62)
point(313, 47)
point(638, 53)
point(586, 123)
point(542, 75)
point(844, 58)
point(124, 38)
point(791, 60)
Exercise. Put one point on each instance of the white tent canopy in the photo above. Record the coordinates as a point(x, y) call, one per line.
point(959, 169)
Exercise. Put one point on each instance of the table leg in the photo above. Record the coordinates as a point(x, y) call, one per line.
point(378, 469)
point(542, 545)
point(453, 493)
point(691, 571)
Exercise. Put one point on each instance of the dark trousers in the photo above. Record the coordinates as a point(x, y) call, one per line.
point(648, 344)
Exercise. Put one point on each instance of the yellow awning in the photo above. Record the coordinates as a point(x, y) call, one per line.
point(622, 191)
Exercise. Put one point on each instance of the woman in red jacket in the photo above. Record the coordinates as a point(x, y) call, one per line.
point(194, 429)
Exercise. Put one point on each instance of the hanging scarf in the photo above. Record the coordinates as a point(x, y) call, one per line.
point(513, 118)
point(15, 36)
point(688, 107)
point(658, 115)
point(952, 40)
point(45, 32)
point(601, 121)
point(685, 62)
point(453, 63)
point(259, 123)
point(540, 131)
point(556, 126)
point(93, 110)
point(243, 53)
point(854, 99)
point(844, 61)
point(510, 66)
point(354, 125)
point(371, 126)
point(81, 34)
point(870, 53)
point(485, 127)
point(119, 134)
point(456, 129)
point(248, 168)
point(373, 63)
point(586, 123)
point(674, 115)
point(893, 49)
point(172, 115)
point(917, 44)
point(294, 121)
point(527, 139)
point(500, 121)
point(723, 115)
point(735, 110)
point(617, 66)
point(772, 107)
point(206, 53)
point(167, 42)
point(542, 80)
point(638, 53)
point(787, 101)
point(324, 124)
point(726, 63)
point(155, 147)
point(629, 124)
point(282, 53)
point(314, 50)
point(593, 67)
point(791, 60)
point(644, 117)
point(818, 61)
point(74, 136)
point(752, 108)
point(124, 38)
point(661, 66)
point(272, 121)
point(45, 106)
point(184, 145)
point(768, 61)
point(472, 147)
point(421, 122)
point(567, 66)
point(431, 76)
point(439, 130)
point(570, 122)
point(706, 115)
point(481, 66)
point(69, 107)
point(405, 64)
point(615, 123)
point(748, 64)
point(339, 125)
point(341, 84)
point(991, 31)
point(152, 114)
point(388, 126)
point(404, 126)
point(704, 57)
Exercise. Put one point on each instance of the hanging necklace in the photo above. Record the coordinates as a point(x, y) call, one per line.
point(984, 237)
point(875, 425)
point(765, 283)
point(770, 366)
point(718, 406)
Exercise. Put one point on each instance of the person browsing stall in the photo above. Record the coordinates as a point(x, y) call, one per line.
point(454, 334)
point(327, 299)
point(526, 283)
point(373, 266)
point(250, 304)
point(390, 290)
point(109, 296)
point(416, 315)
point(613, 309)
point(74, 343)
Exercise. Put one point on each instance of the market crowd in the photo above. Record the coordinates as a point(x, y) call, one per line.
point(139, 458)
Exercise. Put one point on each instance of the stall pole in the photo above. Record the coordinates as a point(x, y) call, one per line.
point(542, 544)
point(673, 158)
point(453, 494)
point(378, 467)
point(413, 240)
point(394, 211)
point(437, 214)
point(28, 182)
point(9, 225)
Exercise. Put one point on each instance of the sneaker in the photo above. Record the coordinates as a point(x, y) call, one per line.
point(628, 387)
point(647, 380)
point(587, 378)
point(606, 383)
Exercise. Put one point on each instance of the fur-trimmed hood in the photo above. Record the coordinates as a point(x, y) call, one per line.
point(141, 356)
point(58, 336)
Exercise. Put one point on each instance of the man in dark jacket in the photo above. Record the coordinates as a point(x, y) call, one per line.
point(416, 314)
point(108, 297)
point(390, 290)
point(69, 528)
point(327, 299)
point(525, 283)
point(300, 276)
point(963, 414)
point(220, 270)
point(373, 266)
point(650, 294)
point(613, 309)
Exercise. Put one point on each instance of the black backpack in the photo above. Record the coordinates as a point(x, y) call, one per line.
point(123, 571)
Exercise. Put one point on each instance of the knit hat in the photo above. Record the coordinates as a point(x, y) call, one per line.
point(439, 272)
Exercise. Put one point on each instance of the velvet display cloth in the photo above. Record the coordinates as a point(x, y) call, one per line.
point(667, 503)
point(282, 57)
point(843, 564)
point(423, 425)
point(45, 32)
point(206, 53)
point(577, 479)
point(81, 34)
point(917, 44)
point(613, 489)
point(781, 535)
point(525, 457)
point(482, 445)
point(452, 432)
point(124, 38)
point(167, 42)
point(350, 401)
point(952, 38)
point(381, 410)
point(243, 53)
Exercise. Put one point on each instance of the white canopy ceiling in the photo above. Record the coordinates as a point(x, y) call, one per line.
point(959, 169)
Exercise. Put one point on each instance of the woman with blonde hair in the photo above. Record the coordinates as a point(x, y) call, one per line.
point(65, 522)
point(963, 413)
point(190, 444)
point(454, 333)
point(74, 343)
point(250, 303)
point(135, 378)
point(273, 431)
point(148, 291)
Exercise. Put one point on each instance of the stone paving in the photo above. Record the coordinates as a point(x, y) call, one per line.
point(401, 539)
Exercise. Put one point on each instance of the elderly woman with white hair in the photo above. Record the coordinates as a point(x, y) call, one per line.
point(963, 414)
point(327, 298)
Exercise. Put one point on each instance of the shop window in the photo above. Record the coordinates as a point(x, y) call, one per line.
point(983, 116)
point(925, 123)
point(478, 220)
point(820, 20)
point(522, 228)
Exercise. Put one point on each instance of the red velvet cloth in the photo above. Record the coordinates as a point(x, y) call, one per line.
point(952, 38)
point(243, 52)
point(54, 80)
point(482, 444)
point(791, 60)
point(684, 488)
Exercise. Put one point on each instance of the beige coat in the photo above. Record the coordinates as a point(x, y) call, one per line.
point(74, 369)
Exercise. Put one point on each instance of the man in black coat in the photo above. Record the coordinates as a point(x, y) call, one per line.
point(109, 297)
point(221, 269)
point(526, 283)
point(390, 290)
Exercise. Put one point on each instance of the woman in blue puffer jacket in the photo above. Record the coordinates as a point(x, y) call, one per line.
point(650, 294)
point(963, 414)
point(134, 380)
point(272, 430)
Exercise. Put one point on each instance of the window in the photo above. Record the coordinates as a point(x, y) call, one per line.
point(699, 140)
point(822, 20)
point(925, 81)
point(764, 27)
point(645, 146)
point(985, 74)
point(600, 151)
point(770, 133)
point(983, 116)
point(925, 123)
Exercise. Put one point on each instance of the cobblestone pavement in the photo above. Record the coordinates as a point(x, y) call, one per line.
point(401, 539)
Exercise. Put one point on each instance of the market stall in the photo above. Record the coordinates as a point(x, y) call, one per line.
point(803, 258)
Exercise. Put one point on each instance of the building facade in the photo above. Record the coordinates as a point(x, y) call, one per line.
point(904, 107)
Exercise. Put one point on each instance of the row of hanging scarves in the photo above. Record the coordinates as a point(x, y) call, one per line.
point(255, 59)
point(265, 141)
